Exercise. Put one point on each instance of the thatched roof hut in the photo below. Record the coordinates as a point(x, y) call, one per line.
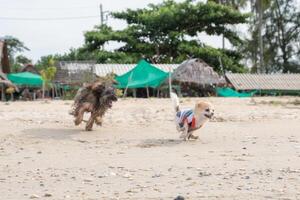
point(4, 82)
point(195, 71)
point(29, 68)
point(8, 83)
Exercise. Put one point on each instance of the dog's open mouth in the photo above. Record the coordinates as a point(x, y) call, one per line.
point(111, 99)
point(208, 116)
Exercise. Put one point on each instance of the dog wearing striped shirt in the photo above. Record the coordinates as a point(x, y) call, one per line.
point(189, 120)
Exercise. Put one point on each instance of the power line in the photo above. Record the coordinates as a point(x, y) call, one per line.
point(49, 8)
point(48, 19)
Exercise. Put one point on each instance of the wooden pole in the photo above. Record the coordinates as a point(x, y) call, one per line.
point(170, 82)
point(125, 92)
point(147, 92)
point(52, 91)
point(56, 92)
point(2, 92)
point(221, 65)
point(129, 79)
point(43, 89)
point(134, 92)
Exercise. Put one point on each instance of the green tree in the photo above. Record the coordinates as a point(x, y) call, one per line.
point(20, 61)
point(14, 46)
point(166, 33)
point(44, 62)
point(23, 60)
point(282, 33)
point(236, 4)
point(48, 74)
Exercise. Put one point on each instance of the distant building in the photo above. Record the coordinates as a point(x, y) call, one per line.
point(265, 83)
point(78, 72)
point(74, 73)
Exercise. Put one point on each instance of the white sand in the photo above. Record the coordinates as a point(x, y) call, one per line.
point(249, 151)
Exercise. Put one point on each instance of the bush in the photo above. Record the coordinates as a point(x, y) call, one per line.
point(69, 94)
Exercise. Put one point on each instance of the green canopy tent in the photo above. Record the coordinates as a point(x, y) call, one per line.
point(143, 75)
point(25, 78)
point(228, 92)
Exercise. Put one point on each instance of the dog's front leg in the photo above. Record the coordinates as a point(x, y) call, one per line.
point(86, 107)
point(185, 132)
point(90, 122)
point(80, 113)
point(191, 136)
point(99, 120)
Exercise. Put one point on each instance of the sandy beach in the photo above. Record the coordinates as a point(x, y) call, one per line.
point(250, 150)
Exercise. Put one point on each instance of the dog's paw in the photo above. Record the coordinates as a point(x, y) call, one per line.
point(193, 137)
point(77, 122)
point(99, 121)
point(180, 129)
point(88, 129)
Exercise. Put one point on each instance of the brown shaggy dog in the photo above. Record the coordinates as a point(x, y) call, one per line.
point(95, 98)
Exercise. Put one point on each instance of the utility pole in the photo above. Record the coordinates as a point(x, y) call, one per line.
point(223, 38)
point(223, 42)
point(102, 20)
point(101, 15)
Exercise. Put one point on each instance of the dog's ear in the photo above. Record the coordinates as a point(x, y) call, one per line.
point(202, 105)
point(199, 105)
point(98, 86)
point(114, 82)
point(88, 85)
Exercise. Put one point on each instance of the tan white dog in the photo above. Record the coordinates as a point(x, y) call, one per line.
point(189, 120)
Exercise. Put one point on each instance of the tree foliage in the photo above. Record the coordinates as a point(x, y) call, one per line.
point(19, 62)
point(22, 60)
point(14, 46)
point(166, 33)
point(48, 73)
point(281, 32)
point(236, 4)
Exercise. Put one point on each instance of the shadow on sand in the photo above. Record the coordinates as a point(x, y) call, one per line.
point(149, 143)
point(51, 133)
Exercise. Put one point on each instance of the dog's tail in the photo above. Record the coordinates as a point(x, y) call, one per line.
point(175, 101)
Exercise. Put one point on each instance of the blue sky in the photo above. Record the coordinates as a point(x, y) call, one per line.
point(58, 36)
